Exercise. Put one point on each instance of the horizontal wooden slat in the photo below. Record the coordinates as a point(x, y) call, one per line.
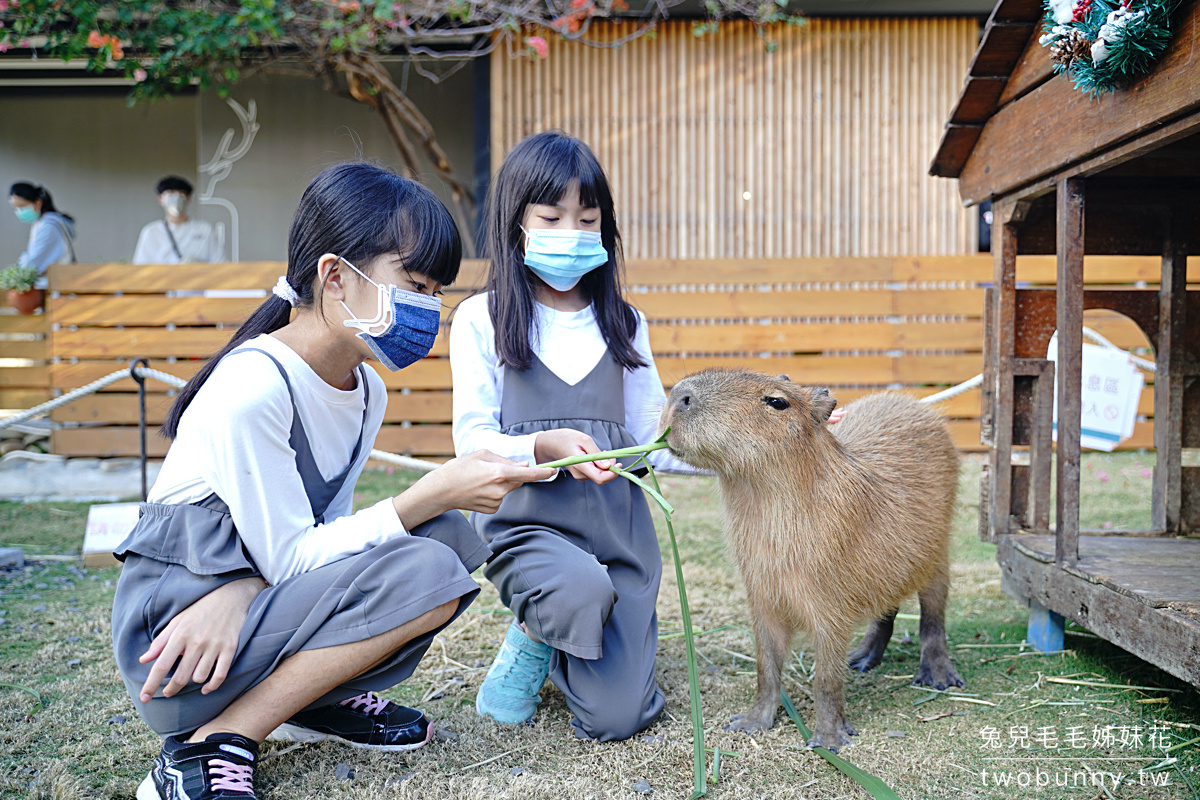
point(415, 439)
point(24, 323)
point(35, 349)
point(138, 342)
point(23, 398)
point(815, 337)
point(735, 305)
point(105, 442)
point(25, 377)
point(152, 311)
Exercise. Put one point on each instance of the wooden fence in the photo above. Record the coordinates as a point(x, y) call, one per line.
point(855, 325)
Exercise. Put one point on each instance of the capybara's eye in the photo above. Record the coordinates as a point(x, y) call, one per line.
point(777, 403)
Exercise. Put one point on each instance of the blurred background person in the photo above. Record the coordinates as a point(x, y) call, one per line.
point(177, 239)
point(51, 230)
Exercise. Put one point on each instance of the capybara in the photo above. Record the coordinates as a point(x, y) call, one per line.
point(830, 525)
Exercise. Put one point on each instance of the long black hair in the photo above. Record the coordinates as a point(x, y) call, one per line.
point(33, 193)
point(358, 211)
point(539, 170)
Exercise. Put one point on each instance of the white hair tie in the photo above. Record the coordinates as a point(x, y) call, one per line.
point(284, 289)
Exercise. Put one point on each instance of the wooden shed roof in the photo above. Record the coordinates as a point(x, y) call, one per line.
point(1000, 49)
point(1018, 125)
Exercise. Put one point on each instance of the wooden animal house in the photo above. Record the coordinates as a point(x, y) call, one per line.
point(1077, 174)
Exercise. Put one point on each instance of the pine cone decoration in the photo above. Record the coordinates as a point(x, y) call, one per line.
point(1070, 48)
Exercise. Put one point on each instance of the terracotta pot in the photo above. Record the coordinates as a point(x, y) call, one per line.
point(26, 302)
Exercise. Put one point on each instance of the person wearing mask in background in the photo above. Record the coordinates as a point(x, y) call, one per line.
point(177, 239)
point(51, 233)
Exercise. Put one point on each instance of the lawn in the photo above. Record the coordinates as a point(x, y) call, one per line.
point(68, 731)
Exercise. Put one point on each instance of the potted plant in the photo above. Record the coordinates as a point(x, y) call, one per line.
point(19, 281)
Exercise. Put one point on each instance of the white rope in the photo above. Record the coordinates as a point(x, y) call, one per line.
point(1145, 364)
point(946, 394)
point(971, 383)
point(405, 461)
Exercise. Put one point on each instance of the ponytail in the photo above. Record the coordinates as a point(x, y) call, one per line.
point(272, 315)
point(33, 193)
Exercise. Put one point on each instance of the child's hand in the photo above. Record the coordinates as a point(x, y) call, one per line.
point(475, 482)
point(836, 416)
point(564, 443)
point(203, 638)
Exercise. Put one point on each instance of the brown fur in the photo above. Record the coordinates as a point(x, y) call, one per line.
point(830, 525)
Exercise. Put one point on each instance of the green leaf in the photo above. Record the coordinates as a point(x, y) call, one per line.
point(874, 786)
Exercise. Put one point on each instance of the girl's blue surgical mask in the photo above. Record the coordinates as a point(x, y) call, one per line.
point(560, 257)
point(404, 327)
point(27, 214)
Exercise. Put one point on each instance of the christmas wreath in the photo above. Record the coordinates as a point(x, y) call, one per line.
point(1104, 45)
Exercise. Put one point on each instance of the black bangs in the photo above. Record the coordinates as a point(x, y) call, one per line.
point(426, 237)
point(559, 160)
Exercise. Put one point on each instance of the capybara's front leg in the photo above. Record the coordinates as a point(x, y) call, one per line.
point(869, 652)
point(771, 641)
point(935, 669)
point(829, 676)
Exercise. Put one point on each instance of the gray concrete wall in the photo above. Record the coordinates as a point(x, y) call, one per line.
point(100, 158)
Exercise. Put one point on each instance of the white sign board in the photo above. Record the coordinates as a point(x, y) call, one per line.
point(107, 527)
point(1109, 395)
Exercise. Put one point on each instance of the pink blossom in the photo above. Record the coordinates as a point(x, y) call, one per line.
point(3, 47)
point(139, 75)
point(4, 5)
point(391, 470)
point(1106, 525)
point(1147, 472)
point(1102, 475)
point(538, 45)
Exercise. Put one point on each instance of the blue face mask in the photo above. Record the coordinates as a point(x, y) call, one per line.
point(27, 214)
point(562, 257)
point(411, 330)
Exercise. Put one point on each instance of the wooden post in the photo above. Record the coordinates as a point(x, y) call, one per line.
point(1046, 629)
point(1170, 359)
point(1001, 339)
point(1069, 370)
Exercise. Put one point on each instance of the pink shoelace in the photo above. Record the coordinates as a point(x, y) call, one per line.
point(369, 703)
point(230, 777)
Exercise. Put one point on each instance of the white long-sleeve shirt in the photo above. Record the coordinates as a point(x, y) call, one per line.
point(233, 440)
point(197, 241)
point(570, 344)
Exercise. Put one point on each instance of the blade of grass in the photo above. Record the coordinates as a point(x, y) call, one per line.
point(698, 758)
point(25, 689)
point(874, 786)
point(700, 787)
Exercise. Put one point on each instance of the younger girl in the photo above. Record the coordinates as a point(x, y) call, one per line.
point(277, 611)
point(553, 362)
point(50, 233)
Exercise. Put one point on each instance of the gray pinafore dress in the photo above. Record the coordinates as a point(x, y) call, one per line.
point(579, 563)
point(176, 554)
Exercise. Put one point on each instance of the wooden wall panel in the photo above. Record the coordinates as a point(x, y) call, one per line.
point(719, 148)
point(854, 324)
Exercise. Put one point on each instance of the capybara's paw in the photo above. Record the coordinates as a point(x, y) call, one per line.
point(749, 723)
point(864, 659)
point(940, 675)
point(833, 739)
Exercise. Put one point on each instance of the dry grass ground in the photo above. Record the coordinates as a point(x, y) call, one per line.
point(67, 730)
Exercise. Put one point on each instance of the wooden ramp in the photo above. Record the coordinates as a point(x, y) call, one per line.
point(1140, 593)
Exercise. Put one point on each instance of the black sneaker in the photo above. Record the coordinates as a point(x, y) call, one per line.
point(222, 766)
point(367, 720)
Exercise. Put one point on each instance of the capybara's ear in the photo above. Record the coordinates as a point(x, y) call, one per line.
point(783, 378)
point(822, 404)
